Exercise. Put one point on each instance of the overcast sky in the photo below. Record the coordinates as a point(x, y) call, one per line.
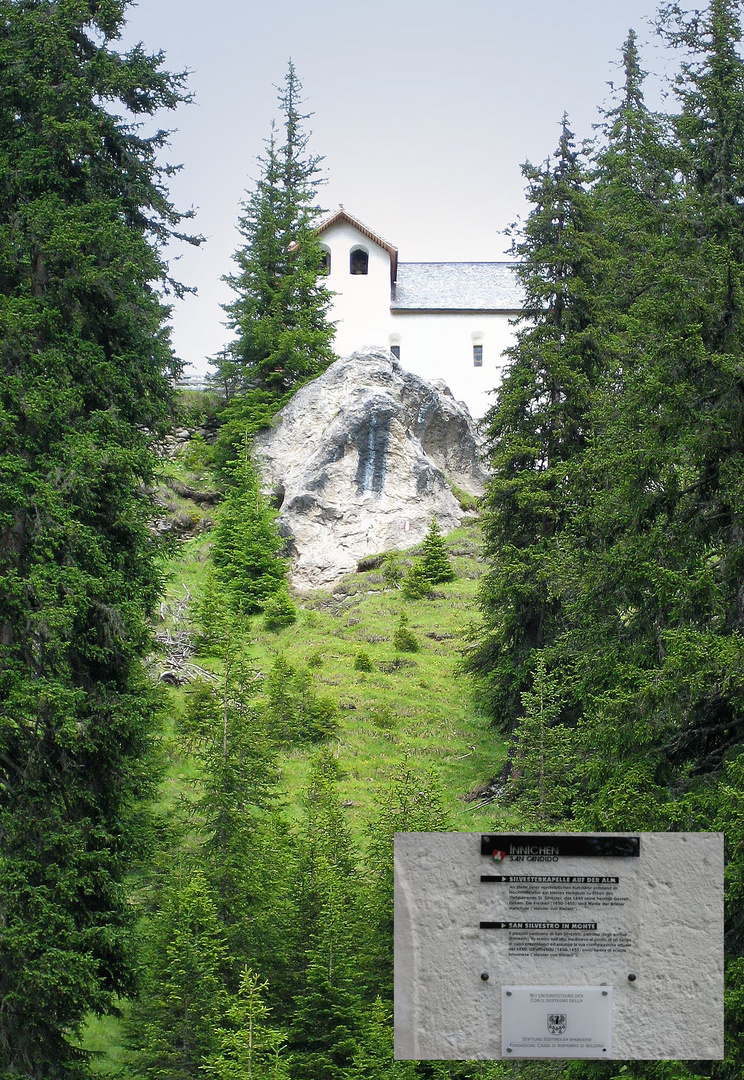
point(423, 110)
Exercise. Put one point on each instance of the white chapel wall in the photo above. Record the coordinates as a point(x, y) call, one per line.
point(361, 307)
point(440, 346)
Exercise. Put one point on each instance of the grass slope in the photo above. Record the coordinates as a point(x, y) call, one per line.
point(410, 705)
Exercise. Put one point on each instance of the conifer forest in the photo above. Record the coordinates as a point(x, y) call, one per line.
point(201, 770)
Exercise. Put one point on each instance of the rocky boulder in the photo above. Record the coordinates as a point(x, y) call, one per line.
point(358, 463)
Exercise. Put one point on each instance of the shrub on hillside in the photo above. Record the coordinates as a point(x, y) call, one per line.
point(197, 454)
point(404, 639)
point(469, 503)
point(383, 718)
point(363, 661)
point(391, 571)
point(280, 612)
point(416, 585)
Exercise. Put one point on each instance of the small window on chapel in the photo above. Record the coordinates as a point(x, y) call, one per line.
point(359, 261)
point(395, 350)
point(477, 356)
point(325, 261)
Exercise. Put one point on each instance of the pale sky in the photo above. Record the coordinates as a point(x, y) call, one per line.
point(423, 111)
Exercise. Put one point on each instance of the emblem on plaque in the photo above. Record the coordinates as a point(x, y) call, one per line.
point(556, 1023)
point(499, 856)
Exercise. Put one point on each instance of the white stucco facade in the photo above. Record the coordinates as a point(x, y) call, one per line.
point(361, 305)
point(448, 321)
point(440, 346)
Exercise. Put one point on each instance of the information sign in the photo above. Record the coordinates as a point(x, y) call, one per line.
point(489, 928)
point(578, 909)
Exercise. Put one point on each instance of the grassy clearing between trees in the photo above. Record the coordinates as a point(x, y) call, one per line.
point(413, 705)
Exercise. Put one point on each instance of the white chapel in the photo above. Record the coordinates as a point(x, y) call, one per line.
point(443, 320)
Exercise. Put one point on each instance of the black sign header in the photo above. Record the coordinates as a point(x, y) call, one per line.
point(552, 879)
point(538, 926)
point(553, 845)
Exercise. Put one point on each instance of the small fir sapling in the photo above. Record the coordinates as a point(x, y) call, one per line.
point(362, 661)
point(404, 639)
point(431, 568)
point(434, 557)
point(280, 612)
point(391, 571)
point(249, 1046)
point(415, 584)
point(297, 713)
point(247, 563)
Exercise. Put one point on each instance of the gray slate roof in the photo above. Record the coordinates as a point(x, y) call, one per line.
point(456, 286)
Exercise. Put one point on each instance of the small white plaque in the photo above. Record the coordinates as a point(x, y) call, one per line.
point(556, 1021)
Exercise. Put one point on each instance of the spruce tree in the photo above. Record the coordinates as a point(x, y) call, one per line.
point(538, 428)
point(247, 564)
point(657, 612)
point(236, 755)
point(635, 251)
point(373, 1059)
point(635, 155)
point(632, 559)
point(326, 1015)
point(431, 568)
point(173, 1028)
point(540, 755)
point(415, 584)
point(250, 1048)
point(279, 612)
point(404, 639)
point(280, 311)
point(434, 558)
point(296, 712)
point(86, 365)
point(634, 194)
point(411, 802)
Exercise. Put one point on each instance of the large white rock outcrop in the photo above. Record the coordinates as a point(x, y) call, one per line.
point(357, 463)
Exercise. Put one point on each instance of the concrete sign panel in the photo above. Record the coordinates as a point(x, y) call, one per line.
point(503, 939)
